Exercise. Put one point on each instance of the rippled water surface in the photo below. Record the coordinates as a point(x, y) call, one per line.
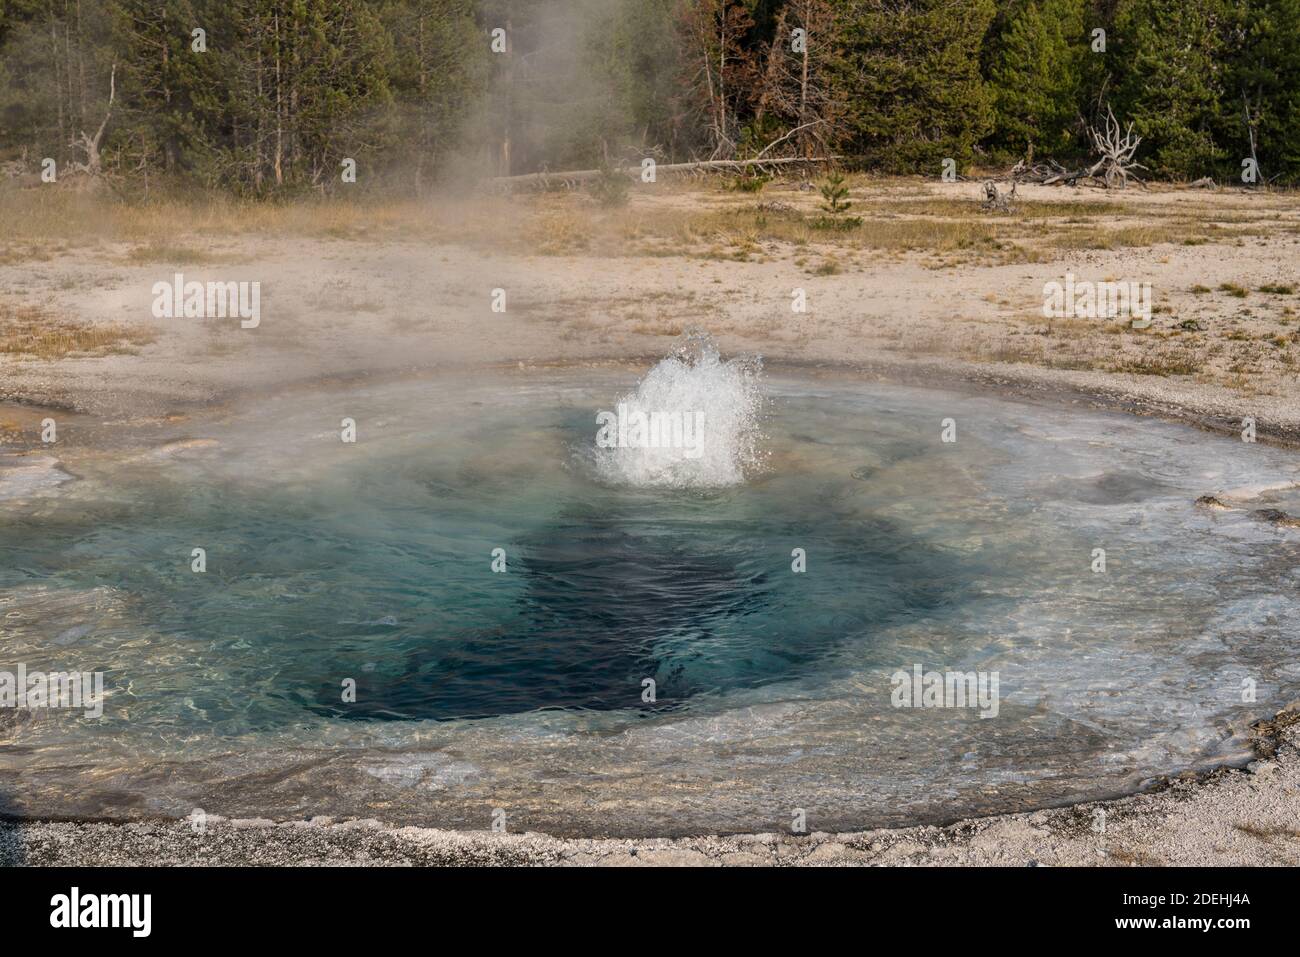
point(524, 689)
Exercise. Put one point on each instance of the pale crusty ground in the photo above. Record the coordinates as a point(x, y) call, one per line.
point(1247, 817)
point(361, 305)
point(624, 284)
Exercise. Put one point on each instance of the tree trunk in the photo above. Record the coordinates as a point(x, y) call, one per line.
point(803, 94)
point(278, 163)
point(505, 161)
point(58, 93)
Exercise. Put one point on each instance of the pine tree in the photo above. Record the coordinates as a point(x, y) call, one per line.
point(439, 63)
point(1172, 86)
point(631, 53)
point(174, 99)
point(911, 73)
point(1260, 114)
point(287, 88)
point(1035, 73)
point(54, 74)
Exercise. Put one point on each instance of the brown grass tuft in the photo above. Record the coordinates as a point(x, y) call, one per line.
point(33, 332)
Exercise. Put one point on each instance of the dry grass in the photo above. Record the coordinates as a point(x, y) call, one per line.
point(175, 254)
point(741, 232)
point(557, 231)
point(23, 252)
point(1122, 237)
point(38, 216)
point(32, 332)
point(1163, 365)
point(679, 220)
point(955, 231)
point(1032, 209)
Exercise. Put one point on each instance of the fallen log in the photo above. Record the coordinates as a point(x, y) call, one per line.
point(550, 179)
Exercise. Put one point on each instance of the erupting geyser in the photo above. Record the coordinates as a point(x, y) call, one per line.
point(692, 422)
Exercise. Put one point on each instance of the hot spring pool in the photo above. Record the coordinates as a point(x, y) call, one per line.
point(525, 689)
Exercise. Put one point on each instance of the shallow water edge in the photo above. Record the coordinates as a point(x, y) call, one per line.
point(1189, 821)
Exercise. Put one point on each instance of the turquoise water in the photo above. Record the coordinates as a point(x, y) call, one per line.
point(371, 563)
point(378, 567)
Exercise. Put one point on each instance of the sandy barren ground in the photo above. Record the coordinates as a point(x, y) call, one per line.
point(928, 281)
point(927, 287)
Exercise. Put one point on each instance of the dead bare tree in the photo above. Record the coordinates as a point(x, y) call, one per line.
point(796, 85)
point(995, 201)
point(1050, 173)
point(90, 144)
point(1252, 122)
point(1117, 149)
point(721, 71)
point(1115, 146)
point(12, 169)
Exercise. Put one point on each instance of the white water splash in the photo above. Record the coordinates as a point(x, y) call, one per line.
point(694, 385)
